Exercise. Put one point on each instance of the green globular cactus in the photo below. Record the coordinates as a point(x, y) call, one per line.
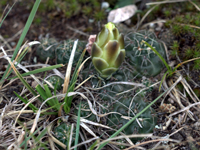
point(56, 80)
point(63, 51)
point(108, 50)
point(147, 120)
point(124, 74)
point(47, 48)
point(140, 56)
point(62, 133)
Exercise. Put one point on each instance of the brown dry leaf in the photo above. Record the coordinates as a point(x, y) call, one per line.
point(122, 14)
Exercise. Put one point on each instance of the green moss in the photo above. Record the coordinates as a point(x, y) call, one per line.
point(174, 52)
point(3, 2)
point(70, 8)
point(99, 15)
point(87, 10)
point(196, 64)
point(186, 29)
point(189, 52)
point(42, 8)
point(37, 20)
point(197, 92)
point(168, 23)
point(68, 14)
point(50, 4)
point(197, 45)
point(176, 29)
point(196, 54)
point(187, 16)
point(197, 22)
point(167, 13)
point(175, 45)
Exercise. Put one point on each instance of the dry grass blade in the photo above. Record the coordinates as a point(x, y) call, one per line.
point(39, 111)
point(148, 12)
point(151, 141)
point(79, 71)
point(113, 83)
point(167, 137)
point(136, 136)
point(90, 122)
point(83, 82)
point(85, 142)
point(194, 5)
point(185, 109)
point(26, 70)
point(153, 22)
point(11, 113)
point(166, 2)
point(192, 26)
point(49, 130)
point(188, 89)
point(1, 117)
point(88, 129)
point(69, 67)
point(70, 138)
point(139, 93)
point(1, 18)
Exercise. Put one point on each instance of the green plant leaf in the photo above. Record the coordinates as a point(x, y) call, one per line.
point(6, 14)
point(30, 136)
point(39, 70)
point(26, 28)
point(158, 54)
point(26, 102)
point(77, 126)
point(45, 94)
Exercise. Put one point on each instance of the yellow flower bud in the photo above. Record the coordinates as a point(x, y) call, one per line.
point(108, 51)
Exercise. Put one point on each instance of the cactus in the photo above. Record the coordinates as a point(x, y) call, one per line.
point(56, 80)
point(62, 133)
point(140, 56)
point(124, 74)
point(108, 50)
point(63, 51)
point(47, 48)
point(121, 107)
point(109, 95)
